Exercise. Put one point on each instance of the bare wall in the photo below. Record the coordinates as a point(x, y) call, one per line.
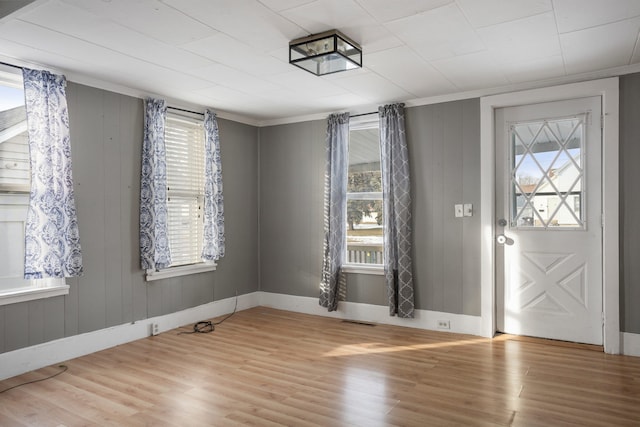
point(106, 141)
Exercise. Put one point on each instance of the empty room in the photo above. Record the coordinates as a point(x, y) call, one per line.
point(319, 213)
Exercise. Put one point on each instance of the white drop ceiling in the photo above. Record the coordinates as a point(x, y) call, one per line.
point(232, 55)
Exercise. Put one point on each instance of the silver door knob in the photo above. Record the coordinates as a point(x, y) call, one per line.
point(502, 222)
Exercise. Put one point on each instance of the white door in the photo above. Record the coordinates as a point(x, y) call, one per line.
point(549, 221)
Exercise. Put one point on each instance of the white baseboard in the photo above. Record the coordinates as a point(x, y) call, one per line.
point(630, 344)
point(27, 359)
point(424, 319)
point(38, 356)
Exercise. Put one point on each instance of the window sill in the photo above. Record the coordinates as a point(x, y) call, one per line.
point(181, 270)
point(12, 296)
point(377, 270)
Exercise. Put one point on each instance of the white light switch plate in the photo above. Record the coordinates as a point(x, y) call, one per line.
point(468, 209)
point(458, 211)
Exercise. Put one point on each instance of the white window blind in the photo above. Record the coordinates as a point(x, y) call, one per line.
point(184, 143)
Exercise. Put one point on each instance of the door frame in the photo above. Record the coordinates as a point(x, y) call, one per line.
point(609, 91)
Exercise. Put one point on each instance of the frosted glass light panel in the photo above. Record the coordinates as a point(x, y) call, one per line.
point(364, 196)
point(325, 53)
point(547, 173)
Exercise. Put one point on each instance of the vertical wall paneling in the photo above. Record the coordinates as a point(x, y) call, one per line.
point(106, 143)
point(443, 142)
point(89, 171)
point(238, 271)
point(112, 186)
point(3, 326)
point(292, 159)
point(452, 184)
point(629, 203)
point(130, 148)
point(53, 312)
point(16, 333)
point(36, 322)
point(470, 265)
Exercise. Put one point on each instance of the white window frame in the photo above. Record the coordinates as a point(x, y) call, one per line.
point(13, 208)
point(367, 121)
point(197, 265)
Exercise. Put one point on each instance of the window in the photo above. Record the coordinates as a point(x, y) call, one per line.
point(364, 194)
point(15, 184)
point(185, 159)
point(184, 143)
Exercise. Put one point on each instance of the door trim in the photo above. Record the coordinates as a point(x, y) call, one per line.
point(608, 90)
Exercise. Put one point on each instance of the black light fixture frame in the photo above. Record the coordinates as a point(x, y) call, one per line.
point(335, 35)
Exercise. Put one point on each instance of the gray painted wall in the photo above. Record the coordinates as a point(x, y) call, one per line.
point(629, 203)
point(444, 148)
point(106, 141)
point(277, 224)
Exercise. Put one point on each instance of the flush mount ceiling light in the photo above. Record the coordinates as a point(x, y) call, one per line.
point(325, 53)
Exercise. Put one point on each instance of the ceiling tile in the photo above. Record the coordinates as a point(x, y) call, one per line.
point(490, 12)
point(233, 53)
point(83, 25)
point(247, 21)
point(323, 15)
point(523, 39)
point(150, 17)
point(306, 84)
point(280, 5)
point(235, 79)
point(409, 71)
point(439, 33)
point(372, 87)
point(385, 10)
point(473, 71)
point(534, 69)
point(575, 15)
point(600, 47)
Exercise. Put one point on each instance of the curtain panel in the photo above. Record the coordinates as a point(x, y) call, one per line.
point(154, 236)
point(52, 241)
point(335, 195)
point(396, 187)
point(213, 247)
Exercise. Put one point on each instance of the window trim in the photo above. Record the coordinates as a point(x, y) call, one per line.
point(180, 270)
point(12, 296)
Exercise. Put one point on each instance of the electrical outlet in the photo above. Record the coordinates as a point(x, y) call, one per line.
point(155, 329)
point(444, 324)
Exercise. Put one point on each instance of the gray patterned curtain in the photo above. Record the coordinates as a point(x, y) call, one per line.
point(52, 241)
point(396, 187)
point(335, 195)
point(154, 232)
point(213, 247)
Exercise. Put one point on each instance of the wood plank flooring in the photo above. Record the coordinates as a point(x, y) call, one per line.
point(266, 367)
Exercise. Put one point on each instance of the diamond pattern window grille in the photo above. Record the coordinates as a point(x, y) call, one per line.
point(547, 173)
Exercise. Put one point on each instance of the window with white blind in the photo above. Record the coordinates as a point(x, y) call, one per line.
point(184, 144)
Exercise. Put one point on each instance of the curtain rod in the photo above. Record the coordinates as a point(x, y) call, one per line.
point(363, 114)
point(186, 111)
point(11, 65)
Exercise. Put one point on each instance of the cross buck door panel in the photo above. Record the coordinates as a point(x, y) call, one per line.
point(549, 221)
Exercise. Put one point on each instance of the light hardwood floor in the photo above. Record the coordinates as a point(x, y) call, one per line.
point(267, 367)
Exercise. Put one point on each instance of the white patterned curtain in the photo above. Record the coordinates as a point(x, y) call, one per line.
point(52, 242)
point(396, 187)
point(154, 239)
point(213, 247)
point(335, 195)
